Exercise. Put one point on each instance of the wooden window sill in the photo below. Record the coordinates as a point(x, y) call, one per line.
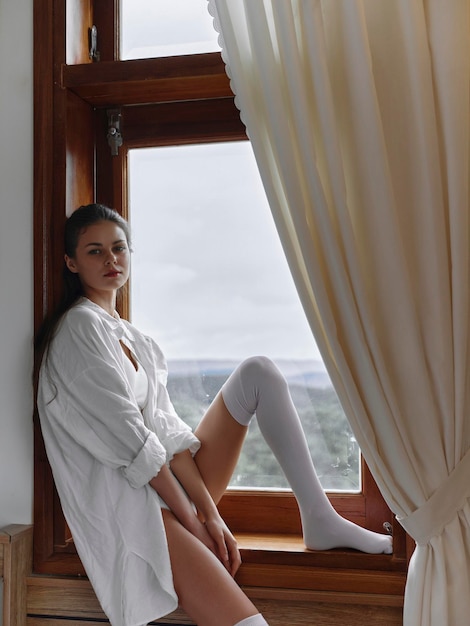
point(283, 562)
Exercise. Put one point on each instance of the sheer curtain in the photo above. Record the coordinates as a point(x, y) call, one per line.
point(358, 112)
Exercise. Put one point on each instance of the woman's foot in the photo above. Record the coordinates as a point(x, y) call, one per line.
point(337, 532)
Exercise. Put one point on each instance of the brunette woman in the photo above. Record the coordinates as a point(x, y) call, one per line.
point(139, 490)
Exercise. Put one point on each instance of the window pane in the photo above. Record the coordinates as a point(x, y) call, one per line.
point(211, 284)
point(158, 28)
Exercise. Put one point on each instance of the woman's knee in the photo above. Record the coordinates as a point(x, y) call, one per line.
point(254, 379)
point(259, 370)
point(258, 365)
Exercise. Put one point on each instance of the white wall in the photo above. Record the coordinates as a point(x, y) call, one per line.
point(16, 260)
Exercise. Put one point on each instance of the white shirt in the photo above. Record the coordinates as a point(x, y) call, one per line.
point(138, 380)
point(103, 451)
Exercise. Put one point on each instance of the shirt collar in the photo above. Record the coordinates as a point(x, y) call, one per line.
point(117, 326)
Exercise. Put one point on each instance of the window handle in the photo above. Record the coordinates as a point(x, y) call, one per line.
point(93, 42)
point(114, 130)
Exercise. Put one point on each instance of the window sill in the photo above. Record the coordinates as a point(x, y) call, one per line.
point(282, 562)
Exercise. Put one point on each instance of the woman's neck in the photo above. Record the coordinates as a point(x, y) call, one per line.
point(106, 301)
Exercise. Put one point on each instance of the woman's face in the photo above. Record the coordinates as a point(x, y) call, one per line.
point(101, 259)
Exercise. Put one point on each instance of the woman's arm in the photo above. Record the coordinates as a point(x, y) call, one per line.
point(185, 469)
point(171, 492)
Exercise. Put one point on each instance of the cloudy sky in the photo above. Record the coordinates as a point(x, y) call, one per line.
point(163, 28)
point(209, 276)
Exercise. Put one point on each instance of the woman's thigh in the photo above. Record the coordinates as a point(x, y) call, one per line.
point(221, 438)
point(206, 591)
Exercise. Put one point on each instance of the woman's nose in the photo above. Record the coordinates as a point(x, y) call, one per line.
point(111, 258)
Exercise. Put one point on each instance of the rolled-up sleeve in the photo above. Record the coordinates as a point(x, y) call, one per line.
point(175, 435)
point(147, 463)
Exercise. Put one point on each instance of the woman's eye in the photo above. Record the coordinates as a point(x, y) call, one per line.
point(95, 251)
point(120, 249)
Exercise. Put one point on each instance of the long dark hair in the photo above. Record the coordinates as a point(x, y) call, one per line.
point(72, 288)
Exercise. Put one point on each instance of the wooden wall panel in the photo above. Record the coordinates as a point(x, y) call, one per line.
point(298, 614)
point(279, 611)
point(73, 599)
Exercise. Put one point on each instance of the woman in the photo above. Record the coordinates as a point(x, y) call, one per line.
point(138, 489)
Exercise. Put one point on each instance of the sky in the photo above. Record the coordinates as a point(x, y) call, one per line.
point(209, 277)
point(163, 28)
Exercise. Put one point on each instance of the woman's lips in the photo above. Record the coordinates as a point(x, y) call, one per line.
point(112, 274)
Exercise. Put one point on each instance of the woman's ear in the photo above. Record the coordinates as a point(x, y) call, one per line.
point(70, 263)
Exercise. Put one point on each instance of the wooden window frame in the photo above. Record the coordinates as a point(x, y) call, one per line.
point(162, 102)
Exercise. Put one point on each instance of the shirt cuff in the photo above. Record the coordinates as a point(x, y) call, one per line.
point(147, 463)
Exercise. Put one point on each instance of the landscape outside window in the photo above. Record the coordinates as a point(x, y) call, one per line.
point(211, 284)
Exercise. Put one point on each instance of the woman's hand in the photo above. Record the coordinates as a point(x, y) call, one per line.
point(213, 533)
point(216, 536)
point(226, 545)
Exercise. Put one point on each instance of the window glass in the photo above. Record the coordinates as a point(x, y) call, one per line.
point(211, 284)
point(158, 28)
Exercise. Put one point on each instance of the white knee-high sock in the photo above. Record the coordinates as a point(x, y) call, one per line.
point(257, 386)
point(254, 620)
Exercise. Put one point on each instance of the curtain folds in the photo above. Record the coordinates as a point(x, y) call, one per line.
point(358, 112)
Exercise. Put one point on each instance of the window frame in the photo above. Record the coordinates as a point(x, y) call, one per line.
point(162, 102)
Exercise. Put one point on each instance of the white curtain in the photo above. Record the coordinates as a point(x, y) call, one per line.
point(358, 112)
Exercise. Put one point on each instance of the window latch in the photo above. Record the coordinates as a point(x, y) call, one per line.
point(114, 130)
point(93, 42)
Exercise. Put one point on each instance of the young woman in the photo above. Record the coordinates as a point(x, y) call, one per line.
point(139, 490)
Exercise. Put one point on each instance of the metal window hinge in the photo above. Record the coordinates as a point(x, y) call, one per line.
point(93, 42)
point(114, 130)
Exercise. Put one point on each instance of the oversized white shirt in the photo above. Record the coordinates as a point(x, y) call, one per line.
point(103, 451)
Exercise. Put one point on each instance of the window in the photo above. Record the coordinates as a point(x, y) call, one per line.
point(211, 284)
point(158, 28)
point(160, 102)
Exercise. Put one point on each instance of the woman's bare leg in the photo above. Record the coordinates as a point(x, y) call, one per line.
point(221, 440)
point(205, 589)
